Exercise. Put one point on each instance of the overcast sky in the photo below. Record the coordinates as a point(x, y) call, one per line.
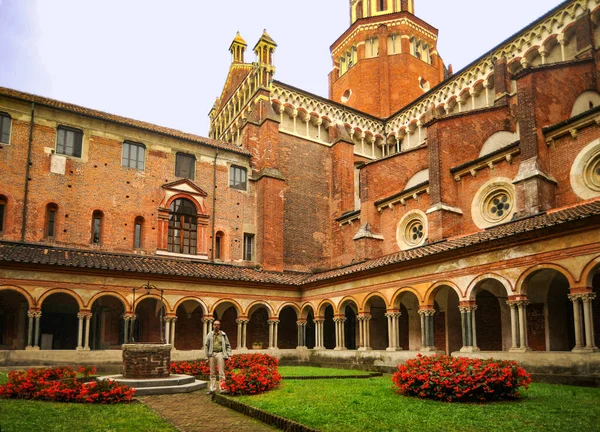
point(165, 62)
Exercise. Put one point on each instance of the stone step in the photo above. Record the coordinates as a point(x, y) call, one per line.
point(184, 388)
point(172, 380)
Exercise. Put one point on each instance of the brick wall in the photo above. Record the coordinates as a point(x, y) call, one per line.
point(146, 361)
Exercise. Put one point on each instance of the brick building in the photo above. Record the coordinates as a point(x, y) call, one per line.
point(415, 209)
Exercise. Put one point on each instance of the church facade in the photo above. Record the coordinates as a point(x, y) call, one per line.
point(415, 209)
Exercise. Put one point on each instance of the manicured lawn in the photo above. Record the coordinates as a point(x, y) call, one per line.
point(372, 405)
point(287, 371)
point(22, 415)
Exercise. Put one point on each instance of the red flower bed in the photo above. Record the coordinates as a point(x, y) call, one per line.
point(62, 385)
point(460, 379)
point(244, 373)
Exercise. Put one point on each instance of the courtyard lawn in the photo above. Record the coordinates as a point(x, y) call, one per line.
point(310, 371)
point(23, 415)
point(372, 405)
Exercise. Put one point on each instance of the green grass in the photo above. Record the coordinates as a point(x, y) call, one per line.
point(311, 371)
point(372, 405)
point(23, 415)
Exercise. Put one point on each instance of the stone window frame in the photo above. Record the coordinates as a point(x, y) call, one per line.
point(51, 220)
point(405, 230)
point(3, 121)
point(583, 179)
point(238, 184)
point(249, 247)
point(179, 158)
point(78, 135)
point(97, 227)
point(126, 160)
point(482, 205)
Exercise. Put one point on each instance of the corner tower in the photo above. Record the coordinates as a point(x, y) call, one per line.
point(386, 59)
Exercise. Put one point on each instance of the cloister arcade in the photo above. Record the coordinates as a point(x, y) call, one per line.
point(544, 309)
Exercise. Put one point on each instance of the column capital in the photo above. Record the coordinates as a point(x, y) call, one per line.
point(319, 320)
point(339, 319)
point(84, 314)
point(273, 321)
point(242, 321)
point(171, 318)
point(301, 321)
point(518, 303)
point(208, 320)
point(34, 314)
point(467, 308)
point(393, 314)
point(427, 312)
point(582, 296)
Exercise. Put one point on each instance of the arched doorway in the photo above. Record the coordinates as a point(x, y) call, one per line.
point(258, 326)
point(446, 321)
point(287, 328)
point(549, 312)
point(148, 326)
point(13, 320)
point(107, 325)
point(59, 323)
point(409, 321)
point(189, 326)
point(378, 326)
point(492, 317)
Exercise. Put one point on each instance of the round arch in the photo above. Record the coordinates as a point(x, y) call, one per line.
point(323, 305)
point(20, 290)
point(48, 293)
point(431, 291)
point(367, 301)
point(288, 304)
point(587, 274)
point(476, 283)
point(191, 298)
point(396, 297)
point(520, 286)
point(200, 208)
point(346, 301)
point(252, 307)
point(306, 309)
point(218, 307)
point(138, 300)
point(114, 294)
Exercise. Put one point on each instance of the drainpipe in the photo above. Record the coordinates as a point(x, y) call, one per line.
point(214, 209)
point(26, 192)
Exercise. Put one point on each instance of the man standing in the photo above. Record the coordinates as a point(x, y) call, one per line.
point(217, 350)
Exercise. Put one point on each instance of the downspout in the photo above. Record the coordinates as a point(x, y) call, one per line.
point(26, 192)
point(214, 209)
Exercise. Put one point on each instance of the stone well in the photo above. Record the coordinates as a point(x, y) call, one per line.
point(146, 360)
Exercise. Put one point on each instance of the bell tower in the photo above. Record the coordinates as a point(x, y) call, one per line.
point(386, 58)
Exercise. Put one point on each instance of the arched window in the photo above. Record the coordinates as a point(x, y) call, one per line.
point(219, 245)
point(3, 202)
point(182, 227)
point(137, 232)
point(50, 225)
point(97, 217)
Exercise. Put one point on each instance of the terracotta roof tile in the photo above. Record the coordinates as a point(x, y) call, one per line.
point(14, 252)
point(122, 120)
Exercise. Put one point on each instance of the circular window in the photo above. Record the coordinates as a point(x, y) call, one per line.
point(494, 203)
point(585, 171)
point(591, 172)
point(346, 96)
point(412, 230)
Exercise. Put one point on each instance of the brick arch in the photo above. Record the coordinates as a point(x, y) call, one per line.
point(366, 301)
point(473, 287)
point(432, 290)
point(190, 298)
point(344, 303)
point(304, 310)
point(138, 300)
point(48, 293)
point(587, 274)
point(321, 307)
point(28, 297)
point(520, 286)
point(200, 208)
point(114, 294)
point(233, 303)
point(256, 304)
point(398, 293)
point(292, 305)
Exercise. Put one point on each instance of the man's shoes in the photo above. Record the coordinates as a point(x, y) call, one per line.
point(210, 392)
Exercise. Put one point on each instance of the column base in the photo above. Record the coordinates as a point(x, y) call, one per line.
point(429, 349)
point(319, 348)
point(523, 349)
point(82, 349)
point(591, 349)
point(241, 349)
point(394, 349)
point(340, 348)
point(469, 349)
point(301, 348)
point(365, 349)
point(32, 348)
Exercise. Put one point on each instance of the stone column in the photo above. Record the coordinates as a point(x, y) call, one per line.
point(522, 305)
point(239, 332)
point(518, 313)
point(126, 320)
point(364, 331)
point(319, 333)
point(273, 330)
point(167, 329)
point(36, 337)
point(467, 315)
point(427, 331)
point(30, 315)
point(88, 321)
point(577, 321)
point(172, 338)
point(339, 333)
point(207, 326)
point(301, 333)
point(393, 331)
point(80, 316)
point(271, 335)
point(244, 333)
point(514, 325)
point(588, 321)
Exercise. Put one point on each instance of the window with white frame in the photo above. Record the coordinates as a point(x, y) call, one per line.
point(5, 123)
point(134, 155)
point(69, 141)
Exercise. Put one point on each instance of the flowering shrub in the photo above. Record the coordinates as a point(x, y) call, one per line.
point(62, 384)
point(244, 373)
point(460, 379)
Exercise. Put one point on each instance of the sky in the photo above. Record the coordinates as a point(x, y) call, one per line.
point(165, 62)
